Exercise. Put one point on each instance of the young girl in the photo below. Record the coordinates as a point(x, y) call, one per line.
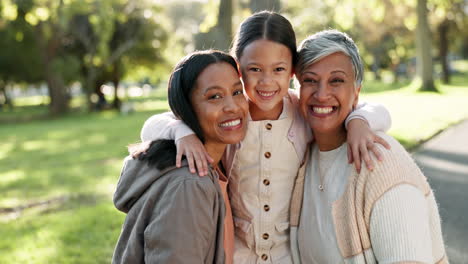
point(263, 170)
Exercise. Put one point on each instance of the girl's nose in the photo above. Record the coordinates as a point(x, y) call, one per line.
point(266, 78)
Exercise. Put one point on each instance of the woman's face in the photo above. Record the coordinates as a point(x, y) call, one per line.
point(220, 105)
point(266, 68)
point(328, 93)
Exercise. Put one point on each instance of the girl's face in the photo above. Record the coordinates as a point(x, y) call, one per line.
point(266, 69)
point(220, 105)
point(328, 94)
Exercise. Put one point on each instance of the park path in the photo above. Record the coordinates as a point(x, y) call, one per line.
point(444, 160)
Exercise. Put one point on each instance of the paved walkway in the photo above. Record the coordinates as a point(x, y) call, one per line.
point(444, 160)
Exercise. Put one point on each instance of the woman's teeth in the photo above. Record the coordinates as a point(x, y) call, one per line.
point(230, 123)
point(322, 110)
point(266, 94)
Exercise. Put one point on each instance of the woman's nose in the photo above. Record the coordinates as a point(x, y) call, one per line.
point(322, 92)
point(231, 105)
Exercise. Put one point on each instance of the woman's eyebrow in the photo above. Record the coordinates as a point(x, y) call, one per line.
point(215, 87)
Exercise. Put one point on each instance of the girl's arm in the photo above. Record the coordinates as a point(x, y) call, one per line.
point(362, 124)
point(164, 126)
point(167, 126)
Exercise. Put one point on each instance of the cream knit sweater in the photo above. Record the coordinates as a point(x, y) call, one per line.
point(352, 211)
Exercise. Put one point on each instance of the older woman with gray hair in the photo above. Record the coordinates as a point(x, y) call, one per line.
point(385, 215)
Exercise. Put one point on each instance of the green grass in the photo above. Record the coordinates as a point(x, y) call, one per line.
point(417, 116)
point(78, 158)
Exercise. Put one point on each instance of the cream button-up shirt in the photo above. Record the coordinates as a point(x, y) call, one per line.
point(261, 184)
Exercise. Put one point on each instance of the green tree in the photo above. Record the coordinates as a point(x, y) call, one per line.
point(19, 59)
point(107, 40)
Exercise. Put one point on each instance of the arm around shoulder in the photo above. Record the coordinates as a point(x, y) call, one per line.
point(376, 115)
point(164, 126)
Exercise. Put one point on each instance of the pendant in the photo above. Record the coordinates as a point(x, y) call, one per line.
point(321, 187)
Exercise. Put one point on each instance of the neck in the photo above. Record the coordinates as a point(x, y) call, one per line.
point(258, 114)
point(216, 151)
point(330, 140)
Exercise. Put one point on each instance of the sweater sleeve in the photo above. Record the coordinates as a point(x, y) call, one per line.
point(164, 126)
point(400, 228)
point(184, 227)
point(376, 115)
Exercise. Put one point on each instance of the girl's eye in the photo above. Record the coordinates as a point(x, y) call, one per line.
point(254, 69)
point(280, 69)
point(214, 96)
point(238, 92)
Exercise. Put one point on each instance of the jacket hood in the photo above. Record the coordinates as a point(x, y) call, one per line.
point(135, 178)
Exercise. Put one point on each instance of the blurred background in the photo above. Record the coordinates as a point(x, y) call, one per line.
point(79, 77)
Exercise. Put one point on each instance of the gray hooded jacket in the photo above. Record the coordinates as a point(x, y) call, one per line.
point(173, 216)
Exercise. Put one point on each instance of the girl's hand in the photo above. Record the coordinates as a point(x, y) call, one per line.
point(195, 152)
point(360, 140)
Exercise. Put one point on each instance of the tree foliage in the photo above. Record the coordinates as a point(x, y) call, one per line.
point(62, 41)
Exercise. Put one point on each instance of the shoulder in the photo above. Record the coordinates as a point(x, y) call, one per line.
point(395, 160)
point(397, 167)
point(191, 184)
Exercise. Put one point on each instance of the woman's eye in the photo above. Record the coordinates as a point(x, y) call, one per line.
point(238, 92)
point(309, 81)
point(214, 96)
point(337, 80)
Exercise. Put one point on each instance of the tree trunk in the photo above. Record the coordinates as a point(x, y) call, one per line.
point(219, 36)
point(90, 87)
point(59, 98)
point(443, 50)
point(6, 99)
point(260, 5)
point(376, 64)
point(102, 102)
point(423, 47)
point(116, 103)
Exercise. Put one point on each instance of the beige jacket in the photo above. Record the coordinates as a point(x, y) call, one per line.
point(351, 213)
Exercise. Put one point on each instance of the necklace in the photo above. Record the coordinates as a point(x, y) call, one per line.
point(321, 186)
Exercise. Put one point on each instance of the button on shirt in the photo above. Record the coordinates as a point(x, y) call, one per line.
point(260, 187)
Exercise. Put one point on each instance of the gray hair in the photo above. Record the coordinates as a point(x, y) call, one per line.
point(327, 42)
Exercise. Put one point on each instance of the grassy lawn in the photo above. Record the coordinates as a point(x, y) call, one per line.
point(72, 165)
point(67, 168)
point(417, 116)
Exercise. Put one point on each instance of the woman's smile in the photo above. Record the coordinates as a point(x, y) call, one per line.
point(322, 111)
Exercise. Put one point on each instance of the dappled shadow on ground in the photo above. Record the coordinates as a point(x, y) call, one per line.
point(43, 160)
point(448, 176)
point(84, 228)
